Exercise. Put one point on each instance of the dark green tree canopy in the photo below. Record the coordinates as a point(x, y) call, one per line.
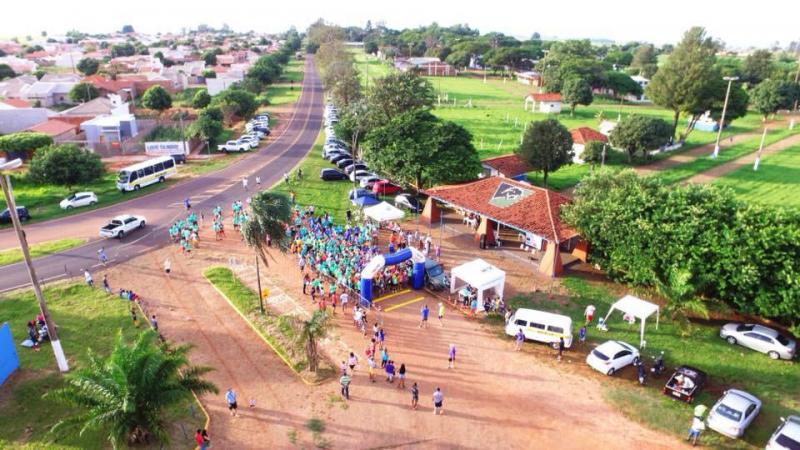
point(6, 72)
point(546, 146)
point(757, 67)
point(201, 99)
point(576, 91)
point(83, 92)
point(398, 93)
point(88, 66)
point(640, 134)
point(235, 102)
point(65, 164)
point(24, 143)
point(157, 98)
point(209, 124)
point(645, 61)
point(771, 95)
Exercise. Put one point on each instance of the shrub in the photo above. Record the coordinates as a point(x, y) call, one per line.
point(65, 164)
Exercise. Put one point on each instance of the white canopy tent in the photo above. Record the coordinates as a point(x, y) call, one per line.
point(383, 212)
point(637, 308)
point(480, 275)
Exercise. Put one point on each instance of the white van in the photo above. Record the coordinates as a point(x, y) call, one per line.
point(540, 326)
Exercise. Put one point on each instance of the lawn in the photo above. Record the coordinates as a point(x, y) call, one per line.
point(86, 318)
point(370, 67)
point(774, 382)
point(287, 90)
point(14, 255)
point(184, 98)
point(775, 182)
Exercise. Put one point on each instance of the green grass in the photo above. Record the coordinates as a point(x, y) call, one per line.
point(370, 66)
point(14, 255)
point(293, 71)
point(775, 182)
point(86, 318)
point(203, 166)
point(163, 133)
point(727, 154)
point(774, 382)
point(184, 98)
point(283, 94)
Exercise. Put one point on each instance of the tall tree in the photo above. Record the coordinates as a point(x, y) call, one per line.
point(235, 102)
point(640, 134)
point(397, 93)
point(201, 99)
point(685, 83)
point(757, 67)
point(576, 91)
point(83, 92)
point(128, 394)
point(157, 98)
point(770, 96)
point(645, 61)
point(270, 214)
point(546, 146)
point(6, 72)
point(593, 153)
point(341, 80)
point(88, 66)
point(622, 84)
point(209, 124)
point(65, 164)
point(311, 332)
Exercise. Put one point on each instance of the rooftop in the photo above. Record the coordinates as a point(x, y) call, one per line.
point(546, 97)
point(53, 127)
point(508, 165)
point(583, 135)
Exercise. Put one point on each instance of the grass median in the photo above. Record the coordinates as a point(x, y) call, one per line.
point(14, 255)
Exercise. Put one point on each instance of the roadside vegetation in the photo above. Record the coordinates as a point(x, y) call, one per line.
point(14, 255)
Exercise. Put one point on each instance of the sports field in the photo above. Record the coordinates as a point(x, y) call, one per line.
point(777, 181)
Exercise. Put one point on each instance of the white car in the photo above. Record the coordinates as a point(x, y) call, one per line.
point(119, 226)
point(78, 199)
point(787, 436)
point(367, 182)
point(611, 356)
point(359, 174)
point(733, 413)
point(759, 338)
point(250, 139)
point(234, 146)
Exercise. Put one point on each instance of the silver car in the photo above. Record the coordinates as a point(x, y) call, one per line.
point(733, 413)
point(787, 436)
point(759, 338)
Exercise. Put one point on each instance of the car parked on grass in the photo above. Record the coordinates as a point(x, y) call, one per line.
point(759, 338)
point(368, 182)
point(344, 163)
point(336, 153)
point(234, 146)
point(541, 326)
point(733, 413)
point(355, 166)
point(332, 175)
point(78, 199)
point(359, 174)
point(611, 356)
point(408, 201)
point(685, 383)
point(250, 139)
point(22, 213)
point(385, 187)
point(355, 193)
point(336, 157)
point(119, 226)
point(787, 436)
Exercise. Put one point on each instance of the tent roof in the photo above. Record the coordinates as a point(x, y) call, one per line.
point(478, 273)
point(365, 201)
point(635, 306)
point(383, 211)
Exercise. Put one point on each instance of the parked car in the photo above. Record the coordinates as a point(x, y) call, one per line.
point(121, 225)
point(408, 201)
point(435, 276)
point(685, 383)
point(336, 157)
point(759, 338)
point(332, 175)
point(337, 142)
point(22, 213)
point(78, 199)
point(368, 182)
point(355, 166)
point(541, 326)
point(787, 436)
point(355, 193)
point(344, 163)
point(733, 413)
point(359, 174)
point(611, 356)
point(250, 139)
point(385, 187)
point(234, 146)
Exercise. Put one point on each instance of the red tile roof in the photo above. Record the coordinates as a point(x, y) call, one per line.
point(108, 84)
point(537, 210)
point(508, 165)
point(583, 135)
point(17, 102)
point(53, 127)
point(548, 97)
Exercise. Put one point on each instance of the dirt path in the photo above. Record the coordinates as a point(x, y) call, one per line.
point(747, 160)
point(691, 155)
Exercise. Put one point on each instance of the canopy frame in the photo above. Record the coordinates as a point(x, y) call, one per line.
point(637, 308)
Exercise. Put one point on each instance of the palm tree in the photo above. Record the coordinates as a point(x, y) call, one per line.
point(270, 214)
point(127, 393)
point(682, 299)
point(311, 331)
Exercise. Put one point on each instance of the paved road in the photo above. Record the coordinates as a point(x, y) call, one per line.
point(163, 207)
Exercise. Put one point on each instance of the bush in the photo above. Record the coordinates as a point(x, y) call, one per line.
point(23, 144)
point(65, 164)
point(83, 92)
point(235, 102)
point(201, 99)
point(157, 98)
point(163, 133)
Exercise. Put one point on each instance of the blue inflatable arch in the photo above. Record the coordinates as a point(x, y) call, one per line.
point(379, 262)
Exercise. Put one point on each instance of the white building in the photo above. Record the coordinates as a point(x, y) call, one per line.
point(643, 82)
point(546, 103)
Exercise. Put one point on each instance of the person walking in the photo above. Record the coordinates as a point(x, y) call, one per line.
point(451, 357)
point(88, 277)
point(560, 347)
point(438, 401)
point(286, 178)
point(154, 322)
point(187, 204)
point(106, 286)
point(423, 312)
point(352, 361)
point(588, 314)
point(371, 368)
point(102, 256)
point(344, 381)
point(698, 425)
point(167, 266)
point(384, 357)
point(414, 396)
point(244, 183)
point(134, 316)
point(441, 313)
point(519, 339)
point(401, 376)
point(201, 438)
point(582, 335)
point(230, 397)
point(258, 182)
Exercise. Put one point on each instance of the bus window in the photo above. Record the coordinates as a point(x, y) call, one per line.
point(134, 177)
point(536, 325)
point(554, 329)
point(159, 167)
point(169, 164)
point(123, 176)
point(141, 173)
point(148, 170)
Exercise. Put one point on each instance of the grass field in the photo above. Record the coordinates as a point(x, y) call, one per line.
point(370, 67)
point(287, 90)
point(775, 183)
point(774, 382)
point(86, 318)
point(14, 255)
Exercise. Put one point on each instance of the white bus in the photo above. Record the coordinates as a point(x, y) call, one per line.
point(145, 173)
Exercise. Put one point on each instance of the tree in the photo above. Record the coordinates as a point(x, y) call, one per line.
point(576, 91)
point(201, 99)
point(738, 101)
point(757, 67)
point(210, 58)
point(39, 73)
point(235, 102)
point(65, 164)
point(682, 299)
point(640, 134)
point(266, 69)
point(546, 146)
point(685, 83)
point(88, 66)
point(571, 59)
point(770, 96)
point(341, 80)
point(270, 214)
point(129, 394)
point(83, 92)
point(157, 98)
point(622, 84)
point(127, 29)
point(24, 143)
point(125, 49)
point(370, 47)
point(6, 72)
point(593, 153)
point(645, 61)
point(398, 93)
point(209, 124)
point(209, 73)
point(311, 331)
point(418, 149)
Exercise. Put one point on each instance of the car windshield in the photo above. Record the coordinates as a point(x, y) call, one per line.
point(787, 442)
point(435, 271)
point(123, 176)
point(782, 339)
point(729, 413)
point(599, 355)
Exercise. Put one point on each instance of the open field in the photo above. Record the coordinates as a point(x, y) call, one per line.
point(727, 366)
point(287, 90)
point(86, 318)
point(14, 255)
point(370, 67)
point(775, 182)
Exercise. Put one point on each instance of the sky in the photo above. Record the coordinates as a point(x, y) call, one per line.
point(661, 22)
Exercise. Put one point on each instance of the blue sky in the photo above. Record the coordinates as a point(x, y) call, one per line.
point(736, 23)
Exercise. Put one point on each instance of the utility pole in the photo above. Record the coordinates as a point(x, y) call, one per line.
point(730, 80)
point(5, 181)
point(760, 148)
point(258, 281)
point(183, 137)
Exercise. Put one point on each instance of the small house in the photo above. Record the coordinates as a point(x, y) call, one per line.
point(507, 166)
point(59, 130)
point(108, 130)
point(530, 78)
point(582, 136)
point(545, 103)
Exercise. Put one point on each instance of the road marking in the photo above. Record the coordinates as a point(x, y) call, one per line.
point(386, 297)
point(400, 305)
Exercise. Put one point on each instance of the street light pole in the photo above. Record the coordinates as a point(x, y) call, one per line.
point(258, 281)
point(730, 81)
point(5, 182)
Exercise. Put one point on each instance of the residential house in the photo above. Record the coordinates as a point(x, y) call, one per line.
point(582, 136)
point(61, 78)
point(643, 82)
point(100, 106)
point(48, 93)
point(13, 120)
point(428, 66)
point(109, 131)
point(14, 87)
point(59, 130)
point(222, 82)
point(546, 103)
point(531, 78)
point(225, 60)
point(67, 59)
point(15, 103)
point(508, 166)
point(19, 65)
point(106, 86)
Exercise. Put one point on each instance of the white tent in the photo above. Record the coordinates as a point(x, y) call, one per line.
point(637, 308)
point(383, 212)
point(480, 275)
